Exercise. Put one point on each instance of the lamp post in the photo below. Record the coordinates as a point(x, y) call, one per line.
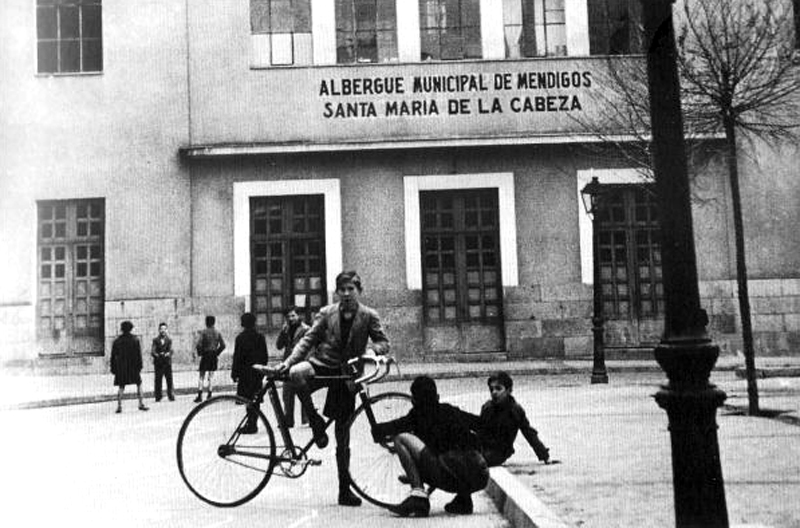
point(685, 352)
point(590, 195)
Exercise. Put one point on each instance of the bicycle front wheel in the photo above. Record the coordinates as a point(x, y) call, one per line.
point(220, 464)
point(375, 469)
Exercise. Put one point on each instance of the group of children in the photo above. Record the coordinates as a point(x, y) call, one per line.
point(438, 444)
point(444, 447)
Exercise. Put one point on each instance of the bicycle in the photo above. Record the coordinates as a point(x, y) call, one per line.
point(225, 467)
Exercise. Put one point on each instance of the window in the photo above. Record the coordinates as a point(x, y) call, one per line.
point(796, 9)
point(615, 27)
point(450, 29)
point(518, 25)
point(287, 248)
point(461, 256)
point(69, 36)
point(70, 271)
point(629, 253)
point(366, 31)
point(281, 32)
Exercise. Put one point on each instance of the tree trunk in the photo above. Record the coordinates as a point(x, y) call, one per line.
point(741, 269)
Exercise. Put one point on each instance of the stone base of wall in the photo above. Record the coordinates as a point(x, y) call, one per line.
point(541, 322)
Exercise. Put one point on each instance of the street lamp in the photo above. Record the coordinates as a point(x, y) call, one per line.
point(685, 352)
point(590, 195)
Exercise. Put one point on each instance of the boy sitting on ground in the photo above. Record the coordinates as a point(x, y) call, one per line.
point(501, 418)
point(437, 447)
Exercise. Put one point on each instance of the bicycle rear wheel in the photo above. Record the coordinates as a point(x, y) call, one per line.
point(221, 466)
point(375, 468)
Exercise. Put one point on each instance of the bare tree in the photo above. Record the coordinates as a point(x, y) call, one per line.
point(739, 81)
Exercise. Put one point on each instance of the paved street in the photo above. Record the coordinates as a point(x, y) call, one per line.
point(615, 448)
point(83, 465)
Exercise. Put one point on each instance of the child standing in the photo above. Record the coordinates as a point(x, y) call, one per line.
point(250, 348)
point(501, 418)
point(209, 346)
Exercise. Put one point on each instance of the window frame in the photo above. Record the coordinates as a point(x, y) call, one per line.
point(619, 226)
point(265, 239)
point(466, 293)
point(351, 28)
point(57, 65)
point(275, 34)
point(442, 30)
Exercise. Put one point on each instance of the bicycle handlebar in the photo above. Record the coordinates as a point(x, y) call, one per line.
point(382, 366)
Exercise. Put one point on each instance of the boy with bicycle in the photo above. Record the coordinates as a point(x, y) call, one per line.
point(340, 332)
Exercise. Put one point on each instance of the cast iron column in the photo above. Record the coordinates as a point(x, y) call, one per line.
point(599, 374)
point(685, 352)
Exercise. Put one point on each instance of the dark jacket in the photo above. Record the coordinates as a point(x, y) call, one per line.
point(250, 349)
point(326, 335)
point(210, 343)
point(289, 337)
point(126, 360)
point(447, 432)
point(499, 424)
point(442, 428)
point(161, 351)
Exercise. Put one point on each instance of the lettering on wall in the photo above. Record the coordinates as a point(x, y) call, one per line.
point(467, 94)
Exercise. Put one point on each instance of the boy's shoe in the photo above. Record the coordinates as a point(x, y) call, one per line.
point(119, 410)
point(209, 396)
point(172, 398)
point(144, 408)
point(461, 505)
point(248, 429)
point(348, 498)
point(199, 397)
point(318, 427)
point(413, 506)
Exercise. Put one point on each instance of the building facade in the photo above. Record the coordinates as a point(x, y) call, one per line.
point(168, 159)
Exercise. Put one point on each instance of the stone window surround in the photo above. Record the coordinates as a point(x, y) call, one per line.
point(242, 191)
point(503, 182)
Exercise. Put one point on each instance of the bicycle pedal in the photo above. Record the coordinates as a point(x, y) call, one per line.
point(314, 462)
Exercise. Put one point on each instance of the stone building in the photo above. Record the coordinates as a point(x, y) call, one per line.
point(167, 159)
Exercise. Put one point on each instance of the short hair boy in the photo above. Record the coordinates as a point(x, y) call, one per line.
point(501, 418)
point(436, 446)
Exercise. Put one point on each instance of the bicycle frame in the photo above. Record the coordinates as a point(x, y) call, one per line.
point(270, 389)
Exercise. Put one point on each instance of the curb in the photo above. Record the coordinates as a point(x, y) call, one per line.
point(402, 375)
point(771, 372)
point(518, 504)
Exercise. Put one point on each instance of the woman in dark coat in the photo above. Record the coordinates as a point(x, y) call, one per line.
point(250, 349)
point(126, 364)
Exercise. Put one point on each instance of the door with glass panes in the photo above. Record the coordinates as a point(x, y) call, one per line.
point(287, 248)
point(462, 283)
point(71, 277)
point(629, 257)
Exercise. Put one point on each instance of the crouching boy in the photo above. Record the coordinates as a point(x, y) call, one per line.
point(436, 446)
point(501, 418)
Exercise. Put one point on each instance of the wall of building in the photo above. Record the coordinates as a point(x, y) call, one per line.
point(113, 135)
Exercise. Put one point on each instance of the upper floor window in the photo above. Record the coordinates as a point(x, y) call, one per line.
point(614, 27)
point(534, 27)
point(69, 36)
point(281, 32)
point(450, 29)
point(366, 31)
point(796, 7)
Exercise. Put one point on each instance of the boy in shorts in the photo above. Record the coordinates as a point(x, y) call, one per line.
point(437, 446)
point(209, 346)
